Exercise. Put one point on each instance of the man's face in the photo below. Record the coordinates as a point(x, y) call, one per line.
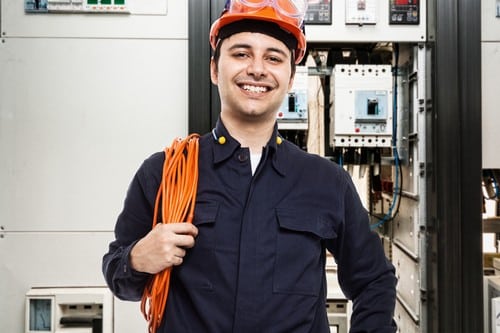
point(253, 75)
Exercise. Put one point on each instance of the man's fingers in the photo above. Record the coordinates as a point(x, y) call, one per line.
point(184, 241)
point(185, 229)
point(179, 228)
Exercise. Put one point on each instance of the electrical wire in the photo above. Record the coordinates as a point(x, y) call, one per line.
point(495, 183)
point(396, 195)
point(176, 199)
point(491, 190)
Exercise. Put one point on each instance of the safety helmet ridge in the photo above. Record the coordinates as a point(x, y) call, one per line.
point(287, 14)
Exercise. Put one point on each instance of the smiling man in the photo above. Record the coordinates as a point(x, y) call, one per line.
point(253, 80)
point(266, 212)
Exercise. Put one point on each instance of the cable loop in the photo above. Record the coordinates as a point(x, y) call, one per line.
point(176, 198)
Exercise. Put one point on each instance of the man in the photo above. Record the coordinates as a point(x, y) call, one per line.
point(266, 212)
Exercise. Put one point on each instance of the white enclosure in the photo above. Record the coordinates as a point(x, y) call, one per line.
point(490, 62)
point(84, 99)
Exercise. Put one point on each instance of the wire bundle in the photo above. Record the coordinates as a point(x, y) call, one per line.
point(177, 196)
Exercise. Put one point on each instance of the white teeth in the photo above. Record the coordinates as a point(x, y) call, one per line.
point(254, 89)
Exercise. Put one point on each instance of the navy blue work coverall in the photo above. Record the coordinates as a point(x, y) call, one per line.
point(258, 264)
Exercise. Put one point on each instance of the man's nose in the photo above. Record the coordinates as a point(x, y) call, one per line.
point(257, 67)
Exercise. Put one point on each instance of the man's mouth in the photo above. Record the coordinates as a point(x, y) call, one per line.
point(254, 89)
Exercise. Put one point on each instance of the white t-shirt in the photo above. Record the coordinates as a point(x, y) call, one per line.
point(254, 161)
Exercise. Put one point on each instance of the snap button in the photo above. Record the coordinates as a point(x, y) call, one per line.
point(222, 140)
point(242, 157)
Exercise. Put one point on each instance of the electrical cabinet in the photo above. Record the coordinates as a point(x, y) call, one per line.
point(362, 106)
point(66, 310)
point(375, 117)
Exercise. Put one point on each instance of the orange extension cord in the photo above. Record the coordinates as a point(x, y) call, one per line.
point(177, 193)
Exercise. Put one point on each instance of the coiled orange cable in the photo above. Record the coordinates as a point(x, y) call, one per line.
point(177, 196)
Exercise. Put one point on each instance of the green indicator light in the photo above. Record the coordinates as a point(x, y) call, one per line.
point(105, 2)
point(92, 2)
point(119, 2)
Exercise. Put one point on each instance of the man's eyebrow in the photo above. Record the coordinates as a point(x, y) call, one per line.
point(248, 46)
point(274, 49)
point(240, 46)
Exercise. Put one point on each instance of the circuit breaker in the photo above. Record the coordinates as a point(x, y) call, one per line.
point(361, 115)
point(294, 106)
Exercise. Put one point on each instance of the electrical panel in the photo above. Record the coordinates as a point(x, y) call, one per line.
point(96, 6)
point(362, 106)
point(329, 21)
point(319, 12)
point(76, 309)
point(361, 12)
point(294, 106)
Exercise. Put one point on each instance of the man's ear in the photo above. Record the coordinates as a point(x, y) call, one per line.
point(213, 71)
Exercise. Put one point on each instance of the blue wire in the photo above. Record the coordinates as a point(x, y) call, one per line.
point(395, 153)
point(497, 189)
point(495, 184)
point(396, 190)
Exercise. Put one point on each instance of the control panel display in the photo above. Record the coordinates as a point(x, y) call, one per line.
point(404, 12)
point(319, 12)
point(361, 12)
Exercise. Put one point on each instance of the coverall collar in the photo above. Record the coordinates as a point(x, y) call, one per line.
point(222, 151)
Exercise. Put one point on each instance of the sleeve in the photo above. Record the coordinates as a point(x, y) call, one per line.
point(133, 223)
point(365, 274)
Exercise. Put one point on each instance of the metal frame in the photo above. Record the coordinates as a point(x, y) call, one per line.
point(409, 228)
point(204, 104)
point(456, 169)
point(199, 84)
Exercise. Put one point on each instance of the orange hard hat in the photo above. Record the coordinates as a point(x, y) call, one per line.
point(287, 14)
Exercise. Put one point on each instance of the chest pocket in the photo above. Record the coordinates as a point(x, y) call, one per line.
point(200, 260)
point(300, 255)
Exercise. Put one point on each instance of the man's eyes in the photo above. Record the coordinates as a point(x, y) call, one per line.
point(275, 59)
point(241, 55)
point(271, 58)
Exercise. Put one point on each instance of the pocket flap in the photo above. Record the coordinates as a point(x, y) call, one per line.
point(306, 221)
point(205, 212)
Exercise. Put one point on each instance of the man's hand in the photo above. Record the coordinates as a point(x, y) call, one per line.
point(162, 247)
